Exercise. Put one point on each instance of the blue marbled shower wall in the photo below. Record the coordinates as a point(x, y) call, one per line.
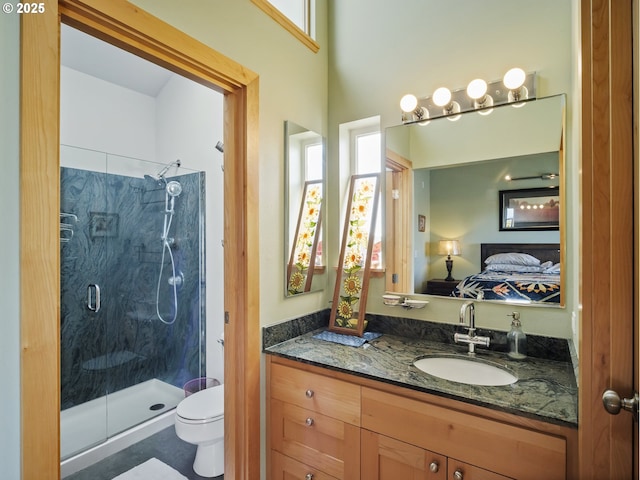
point(116, 244)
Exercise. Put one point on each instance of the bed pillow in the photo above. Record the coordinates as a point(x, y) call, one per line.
point(552, 269)
point(510, 267)
point(513, 259)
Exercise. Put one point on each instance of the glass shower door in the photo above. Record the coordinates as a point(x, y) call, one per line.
point(83, 417)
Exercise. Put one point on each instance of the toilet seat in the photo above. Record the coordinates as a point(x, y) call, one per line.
point(204, 406)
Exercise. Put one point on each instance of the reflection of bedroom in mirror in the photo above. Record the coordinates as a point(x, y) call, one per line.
point(463, 173)
point(304, 180)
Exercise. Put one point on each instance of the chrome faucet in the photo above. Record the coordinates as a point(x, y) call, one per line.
point(470, 338)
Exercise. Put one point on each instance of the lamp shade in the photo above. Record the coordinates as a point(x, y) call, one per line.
point(449, 247)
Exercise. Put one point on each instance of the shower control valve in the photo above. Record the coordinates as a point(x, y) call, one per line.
point(176, 280)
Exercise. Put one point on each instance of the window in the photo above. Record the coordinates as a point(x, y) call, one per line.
point(366, 150)
point(314, 170)
point(296, 16)
point(313, 162)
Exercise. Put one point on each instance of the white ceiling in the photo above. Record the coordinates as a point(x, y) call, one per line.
point(99, 59)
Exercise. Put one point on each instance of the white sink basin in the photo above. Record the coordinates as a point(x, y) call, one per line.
point(462, 370)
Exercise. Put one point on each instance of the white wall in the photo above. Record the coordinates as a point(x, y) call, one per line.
point(98, 115)
point(9, 247)
point(416, 46)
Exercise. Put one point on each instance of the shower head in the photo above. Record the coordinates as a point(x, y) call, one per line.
point(164, 171)
point(159, 177)
point(220, 147)
point(153, 179)
point(174, 188)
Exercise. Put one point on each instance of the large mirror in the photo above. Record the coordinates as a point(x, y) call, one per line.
point(304, 200)
point(488, 204)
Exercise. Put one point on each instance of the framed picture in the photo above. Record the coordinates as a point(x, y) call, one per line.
point(530, 209)
point(422, 222)
point(103, 224)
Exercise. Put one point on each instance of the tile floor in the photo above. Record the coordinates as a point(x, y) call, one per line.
point(164, 445)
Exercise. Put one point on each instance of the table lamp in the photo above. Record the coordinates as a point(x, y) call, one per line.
point(448, 248)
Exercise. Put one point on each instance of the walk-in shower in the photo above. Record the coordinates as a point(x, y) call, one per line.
point(137, 237)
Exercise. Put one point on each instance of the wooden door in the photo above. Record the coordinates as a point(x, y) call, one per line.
point(385, 458)
point(607, 237)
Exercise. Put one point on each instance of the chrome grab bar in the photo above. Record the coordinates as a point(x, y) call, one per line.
point(95, 306)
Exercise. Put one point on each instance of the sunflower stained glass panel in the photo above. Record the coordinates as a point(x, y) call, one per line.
point(352, 281)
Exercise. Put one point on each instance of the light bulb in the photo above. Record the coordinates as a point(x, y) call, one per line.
point(514, 78)
point(408, 103)
point(477, 88)
point(442, 96)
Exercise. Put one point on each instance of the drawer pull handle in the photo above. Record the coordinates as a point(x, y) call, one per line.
point(309, 393)
point(309, 422)
point(434, 467)
point(308, 476)
point(458, 475)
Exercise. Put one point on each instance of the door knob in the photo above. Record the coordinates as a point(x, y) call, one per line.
point(613, 403)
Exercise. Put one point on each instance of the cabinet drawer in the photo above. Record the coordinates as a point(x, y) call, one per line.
point(512, 451)
point(285, 468)
point(325, 395)
point(329, 445)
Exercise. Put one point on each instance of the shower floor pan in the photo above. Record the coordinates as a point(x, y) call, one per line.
point(93, 422)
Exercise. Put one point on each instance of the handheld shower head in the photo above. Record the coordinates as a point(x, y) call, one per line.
point(174, 188)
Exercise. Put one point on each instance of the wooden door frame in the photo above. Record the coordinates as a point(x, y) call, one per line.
point(128, 27)
point(398, 225)
point(607, 237)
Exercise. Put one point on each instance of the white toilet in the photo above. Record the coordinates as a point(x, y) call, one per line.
point(200, 421)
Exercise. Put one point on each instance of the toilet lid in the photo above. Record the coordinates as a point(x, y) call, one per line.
point(203, 405)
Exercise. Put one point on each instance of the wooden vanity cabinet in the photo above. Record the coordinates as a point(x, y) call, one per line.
point(325, 425)
point(507, 450)
point(314, 421)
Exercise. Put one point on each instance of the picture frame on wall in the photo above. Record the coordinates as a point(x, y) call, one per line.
point(530, 209)
point(103, 224)
point(422, 223)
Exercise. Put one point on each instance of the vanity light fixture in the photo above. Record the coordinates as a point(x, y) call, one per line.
point(477, 90)
point(514, 80)
point(409, 105)
point(442, 98)
point(516, 88)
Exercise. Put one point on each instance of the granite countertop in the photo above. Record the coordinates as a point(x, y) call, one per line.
point(546, 389)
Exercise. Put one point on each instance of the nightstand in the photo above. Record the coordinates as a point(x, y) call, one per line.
point(440, 287)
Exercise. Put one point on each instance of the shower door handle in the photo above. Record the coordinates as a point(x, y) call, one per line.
point(93, 305)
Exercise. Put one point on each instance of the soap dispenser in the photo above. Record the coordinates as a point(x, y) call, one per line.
point(516, 339)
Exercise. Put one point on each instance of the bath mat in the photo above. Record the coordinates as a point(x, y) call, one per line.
point(152, 469)
point(350, 340)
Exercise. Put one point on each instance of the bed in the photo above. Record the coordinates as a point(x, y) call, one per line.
point(515, 278)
